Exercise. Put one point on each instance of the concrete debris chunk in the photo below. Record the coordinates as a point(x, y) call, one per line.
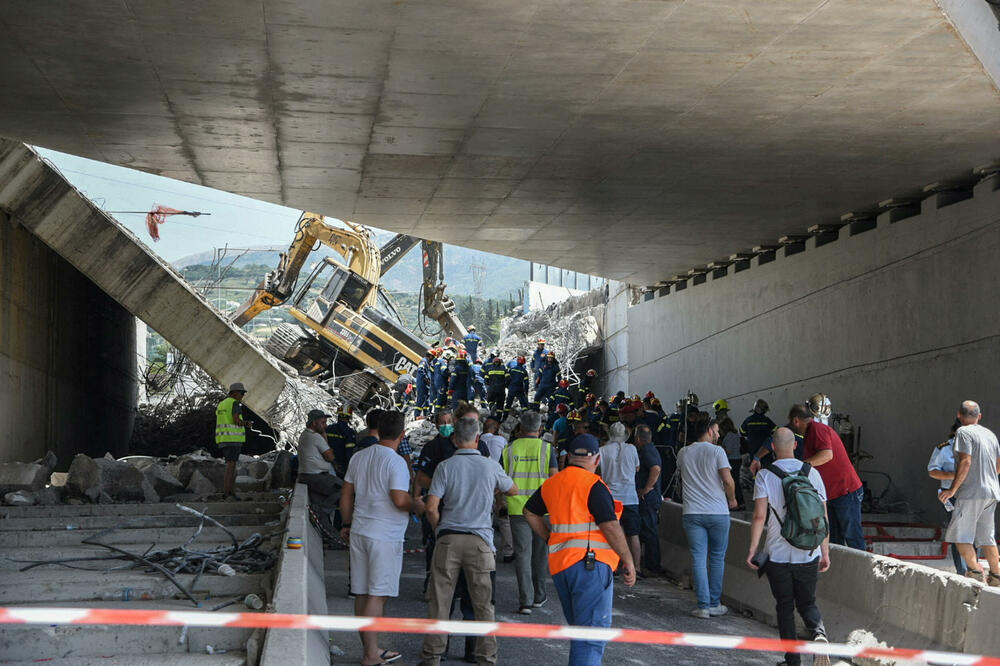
point(162, 481)
point(15, 476)
point(199, 485)
point(49, 496)
point(49, 461)
point(281, 471)
point(84, 478)
point(258, 469)
point(212, 469)
point(121, 481)
point(148, 494)
point(104, 480)
point(421, 432)
point(19, 498)
point(248, 484)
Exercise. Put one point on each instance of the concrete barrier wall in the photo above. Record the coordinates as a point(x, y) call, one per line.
point(900, 603)
point(300, 587)
point(896, 325)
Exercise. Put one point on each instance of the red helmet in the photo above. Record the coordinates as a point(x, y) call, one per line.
point(430, 352)
point(590, 398)
point(562, 408)
point(449, 342)
point(521, 360)
point(551, 354)
point(574, 416)
point(497, 360)
point(462, 353)
point(563, 383)
point(438, 351)
point(650, 395)
point(591, 373)
point(479, 360)
point(541, 341)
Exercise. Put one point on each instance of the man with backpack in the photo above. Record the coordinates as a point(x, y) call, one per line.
point(790, 498)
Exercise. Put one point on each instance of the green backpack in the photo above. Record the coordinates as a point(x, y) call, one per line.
point(805, 525)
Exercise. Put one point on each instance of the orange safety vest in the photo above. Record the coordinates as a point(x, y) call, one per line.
point(573, 527)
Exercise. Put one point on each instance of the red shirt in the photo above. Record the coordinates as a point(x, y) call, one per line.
point(838, 475)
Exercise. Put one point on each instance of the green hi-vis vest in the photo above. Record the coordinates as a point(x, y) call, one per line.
point(526, 461)
point(226, 430)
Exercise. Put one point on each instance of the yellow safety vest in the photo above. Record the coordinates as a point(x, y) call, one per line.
point(227, 433)
point(526, 461)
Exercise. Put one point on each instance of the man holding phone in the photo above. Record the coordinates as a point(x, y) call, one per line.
point(791, 571)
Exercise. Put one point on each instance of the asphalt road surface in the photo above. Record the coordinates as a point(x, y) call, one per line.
point(651, 604)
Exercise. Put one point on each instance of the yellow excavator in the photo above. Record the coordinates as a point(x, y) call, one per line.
point(343, 337)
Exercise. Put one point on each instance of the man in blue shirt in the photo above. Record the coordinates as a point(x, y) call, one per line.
point(478, 383)
point(460, 381)
point(472, 341)
point(423, 378)
point(546, 383)
point(517, 384)
point(941, 466)
point(538, 359)
point(439, 381)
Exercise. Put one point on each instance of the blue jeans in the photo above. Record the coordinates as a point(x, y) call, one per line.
point(708, 537)
point(586, 598)
point(845, 520)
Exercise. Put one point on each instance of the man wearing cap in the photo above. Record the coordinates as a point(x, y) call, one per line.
point(585, 542)
point(230, 433)
point(315, 471)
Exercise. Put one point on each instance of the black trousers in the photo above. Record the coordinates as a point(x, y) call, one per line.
point(794, 587)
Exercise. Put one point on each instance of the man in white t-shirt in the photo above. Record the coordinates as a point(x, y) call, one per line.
point(619, 463)
point(375, 504)
point(791, 571)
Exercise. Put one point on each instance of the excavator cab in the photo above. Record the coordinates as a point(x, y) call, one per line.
point(342, 286)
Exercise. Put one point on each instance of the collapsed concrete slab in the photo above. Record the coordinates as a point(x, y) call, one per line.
point(35, 196)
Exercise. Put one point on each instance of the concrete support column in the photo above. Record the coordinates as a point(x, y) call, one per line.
point(67, 356)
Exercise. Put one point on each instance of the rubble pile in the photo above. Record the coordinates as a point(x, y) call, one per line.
point(194, 476)
point(572, 328)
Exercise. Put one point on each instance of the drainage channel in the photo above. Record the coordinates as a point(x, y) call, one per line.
point(252, 530)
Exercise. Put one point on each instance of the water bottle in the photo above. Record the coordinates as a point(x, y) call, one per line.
point(949, 506)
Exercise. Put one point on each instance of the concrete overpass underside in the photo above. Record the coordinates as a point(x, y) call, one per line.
point(630, 139)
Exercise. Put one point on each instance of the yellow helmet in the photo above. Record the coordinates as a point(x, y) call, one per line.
point(720, 405)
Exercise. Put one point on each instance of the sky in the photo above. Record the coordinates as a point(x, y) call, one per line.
point(233, 219)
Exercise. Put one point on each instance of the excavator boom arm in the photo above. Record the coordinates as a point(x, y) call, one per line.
point(354, 244)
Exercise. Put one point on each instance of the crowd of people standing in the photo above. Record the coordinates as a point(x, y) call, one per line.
point(573, 494)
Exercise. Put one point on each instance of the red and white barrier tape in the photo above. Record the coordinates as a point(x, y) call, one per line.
point(115, 616)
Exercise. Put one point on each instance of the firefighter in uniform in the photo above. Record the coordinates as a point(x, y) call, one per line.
point(460, 383)
point(517, 384)
point(546, 382)
point(342, 439)
point(423, 377)
point(439, 380)
point(585, 542)
point(230, 433)
point(496, 381)
point(478, 383)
